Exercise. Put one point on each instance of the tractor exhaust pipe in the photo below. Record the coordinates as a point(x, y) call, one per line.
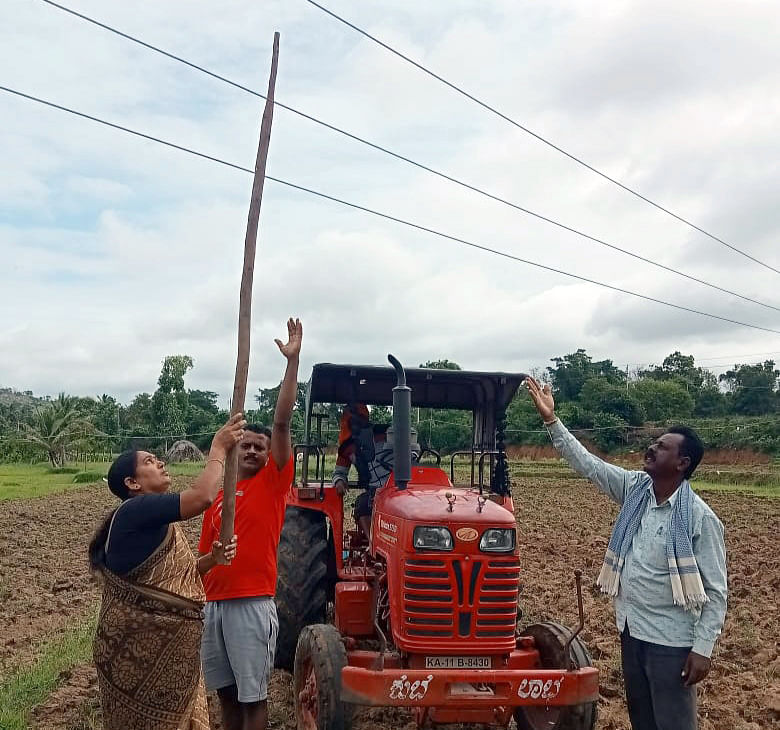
point(402, 427)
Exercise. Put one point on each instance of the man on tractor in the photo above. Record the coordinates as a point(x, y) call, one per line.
point(665, 567)
point(369, 448)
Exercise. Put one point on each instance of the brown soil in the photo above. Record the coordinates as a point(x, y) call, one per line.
point(43, 568)
point(44, 584)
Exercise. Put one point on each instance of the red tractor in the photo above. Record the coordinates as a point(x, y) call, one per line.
point(424, 610)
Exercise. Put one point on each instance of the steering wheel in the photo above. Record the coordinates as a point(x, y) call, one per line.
point(430, 451)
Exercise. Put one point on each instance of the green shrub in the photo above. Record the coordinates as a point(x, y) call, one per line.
point(15, 450)
point(63, 470)
point(598, 395)
point(663, 399)
point(611, 430)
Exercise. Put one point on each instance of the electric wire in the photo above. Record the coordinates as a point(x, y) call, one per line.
point(536, 135)
point(512, 257)
point(387, 216)
point(737, 357)
point(408, 160)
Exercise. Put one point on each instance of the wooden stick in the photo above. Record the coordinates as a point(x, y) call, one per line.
point(245, 301)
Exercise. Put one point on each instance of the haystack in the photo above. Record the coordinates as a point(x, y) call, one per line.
point(183, 450)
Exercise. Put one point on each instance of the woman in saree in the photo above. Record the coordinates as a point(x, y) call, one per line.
point(147, 647)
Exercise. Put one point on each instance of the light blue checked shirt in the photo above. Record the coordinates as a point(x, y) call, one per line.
point(644, 601)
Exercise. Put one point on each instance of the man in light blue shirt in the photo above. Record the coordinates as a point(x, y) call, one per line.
point(666, 636)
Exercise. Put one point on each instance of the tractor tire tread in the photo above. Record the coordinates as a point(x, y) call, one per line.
point(322, 644)
point(301, 588)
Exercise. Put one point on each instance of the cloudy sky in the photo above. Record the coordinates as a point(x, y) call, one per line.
point(117, 251)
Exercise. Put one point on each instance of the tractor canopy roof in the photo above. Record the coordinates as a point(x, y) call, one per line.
point(431, 387)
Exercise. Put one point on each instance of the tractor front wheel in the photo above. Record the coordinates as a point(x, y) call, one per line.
point(550, 639)
point(319, 659)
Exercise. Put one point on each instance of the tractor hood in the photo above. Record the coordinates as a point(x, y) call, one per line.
point(430, 506)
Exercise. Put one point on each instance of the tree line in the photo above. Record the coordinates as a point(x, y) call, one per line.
point(607, 405)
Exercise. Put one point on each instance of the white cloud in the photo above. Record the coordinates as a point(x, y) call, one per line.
point(109, 191)
point(118, 252)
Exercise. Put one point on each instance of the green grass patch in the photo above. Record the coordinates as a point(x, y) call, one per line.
point(186, 468)
point(27, 687)
point(755, 490)
point(24, 481)
point(88, 477)
point(756, 477)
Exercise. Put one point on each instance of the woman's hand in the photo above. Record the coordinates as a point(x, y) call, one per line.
point(228, 436)
point(542, 398)
point(224, 554)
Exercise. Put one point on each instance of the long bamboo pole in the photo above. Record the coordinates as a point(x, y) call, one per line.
point(245, 299)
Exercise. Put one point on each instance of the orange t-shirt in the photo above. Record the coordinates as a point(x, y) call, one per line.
point(260, 506)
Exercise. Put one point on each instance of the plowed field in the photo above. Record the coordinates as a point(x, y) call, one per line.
point(564, 524)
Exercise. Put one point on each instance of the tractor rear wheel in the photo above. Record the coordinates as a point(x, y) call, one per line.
point(301, 586)
point(319, 659)
point(550, 639)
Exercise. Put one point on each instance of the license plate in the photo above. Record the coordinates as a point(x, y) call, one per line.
point(458, 662)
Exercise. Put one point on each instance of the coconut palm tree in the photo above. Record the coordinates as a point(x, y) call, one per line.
point(57, 426)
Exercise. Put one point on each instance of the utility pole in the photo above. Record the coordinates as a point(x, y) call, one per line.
point(245, 299)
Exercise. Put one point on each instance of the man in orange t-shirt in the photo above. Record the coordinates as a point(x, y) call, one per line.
point(239, 637)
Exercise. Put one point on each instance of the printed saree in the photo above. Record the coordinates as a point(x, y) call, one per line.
point(147, 647)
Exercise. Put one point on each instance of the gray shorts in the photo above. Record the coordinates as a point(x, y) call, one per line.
point(239, 642)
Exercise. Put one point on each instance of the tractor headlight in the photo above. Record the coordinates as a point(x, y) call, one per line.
point(498, 540)
point(432, 538)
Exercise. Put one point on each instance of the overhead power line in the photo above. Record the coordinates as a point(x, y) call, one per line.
point(512, 257)
point(720, 368)
point(736, 357)
point(405, 159)
point(536, 135)
point(386, 216)
point(135, 132)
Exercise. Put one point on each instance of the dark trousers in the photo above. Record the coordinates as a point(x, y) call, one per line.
point(657, 699)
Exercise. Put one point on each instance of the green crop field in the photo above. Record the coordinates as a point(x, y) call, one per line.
point(23, 481)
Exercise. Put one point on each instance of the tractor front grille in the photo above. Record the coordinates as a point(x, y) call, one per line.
point(428, 604)
point(451, 597)
point(497, 598)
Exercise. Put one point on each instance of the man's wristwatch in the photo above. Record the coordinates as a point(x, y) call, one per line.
point(550, 423)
